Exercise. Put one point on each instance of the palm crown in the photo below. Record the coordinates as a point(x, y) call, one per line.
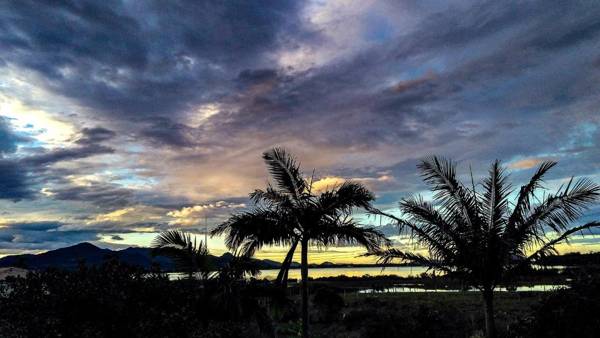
point(479, 234)
point(188, 254)
point(290, 213)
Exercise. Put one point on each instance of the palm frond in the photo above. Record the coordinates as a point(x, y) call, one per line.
point(347, 232)
point(254, 229)
point(239, 267)
point(527, 192)
point(557, 211)
point(456, 200)
point(387, 256)
point(343, 199)
point(173, 238)
point(437, 246)
point(495, 198)
point(432, 222)
point(550, 247)
point(271, 198)
point(187, 253)
point(285, 170)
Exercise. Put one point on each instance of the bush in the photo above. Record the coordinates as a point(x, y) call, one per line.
point(380, 318)
point(573, 312)
point(327, 304)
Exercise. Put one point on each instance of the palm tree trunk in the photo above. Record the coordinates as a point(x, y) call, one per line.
point(304, 288)
point(490, 324)
point(282, 276)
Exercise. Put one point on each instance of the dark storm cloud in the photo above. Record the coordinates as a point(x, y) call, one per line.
point(91, 136)
point(163, 131)
point(154, 59)
point(98, 194)
point(14, 183)
point(13, 179)
point(256, 76)
point(21, 176)
point(35, 226)
point(55, 234)
point(54, 156)
point(8, 138)
point(40, 235)
point(132, 59)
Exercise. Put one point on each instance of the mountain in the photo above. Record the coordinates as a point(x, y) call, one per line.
point(67, 258)
point(70, 258)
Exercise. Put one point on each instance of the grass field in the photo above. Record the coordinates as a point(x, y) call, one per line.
point(426, 314)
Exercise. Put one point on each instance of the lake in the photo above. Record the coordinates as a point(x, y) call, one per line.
point(402, 271)
point(271, 274)
point(416, 288)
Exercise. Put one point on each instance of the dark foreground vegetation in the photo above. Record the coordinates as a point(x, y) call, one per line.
point(116, 300)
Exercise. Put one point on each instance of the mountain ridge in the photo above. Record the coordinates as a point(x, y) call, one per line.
point(72, 256)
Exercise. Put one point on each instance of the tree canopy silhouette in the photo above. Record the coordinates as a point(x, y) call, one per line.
point(480, 234)
point(187, 253)
point(289, 213)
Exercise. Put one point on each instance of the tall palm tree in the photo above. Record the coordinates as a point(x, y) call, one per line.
point(291, 214)
point(188, 254)
point(483, 234)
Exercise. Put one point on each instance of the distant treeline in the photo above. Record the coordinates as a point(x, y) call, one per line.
point(574, 258)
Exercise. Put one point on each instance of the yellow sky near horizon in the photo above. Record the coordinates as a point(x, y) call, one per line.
point(338, 255)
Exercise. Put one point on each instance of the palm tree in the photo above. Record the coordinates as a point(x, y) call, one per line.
point(483, 235)
point(239, 267)
point(290, 213)
point(188, 254)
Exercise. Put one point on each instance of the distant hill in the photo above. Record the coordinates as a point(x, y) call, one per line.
point(70, 258)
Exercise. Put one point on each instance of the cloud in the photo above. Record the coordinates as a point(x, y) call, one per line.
point(91, 136)
point(14, 183)
point(39, 235)
point(113, 216)
point(257, 76)
point(327, 183)
point(59, 155)
point(8, 138)
point(164, 132)
point(20, 175)
point(333, 182)
point(136, 56)
point(195, 215)
point(526, 163)
point(99, 194)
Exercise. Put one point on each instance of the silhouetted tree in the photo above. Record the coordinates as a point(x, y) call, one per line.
point(188, 254)
point(480, 234)
point(238, 268)
point(290, 213)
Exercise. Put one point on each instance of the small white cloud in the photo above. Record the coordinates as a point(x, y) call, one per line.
point(194, 215)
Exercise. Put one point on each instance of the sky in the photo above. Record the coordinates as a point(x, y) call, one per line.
point(120, 119)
